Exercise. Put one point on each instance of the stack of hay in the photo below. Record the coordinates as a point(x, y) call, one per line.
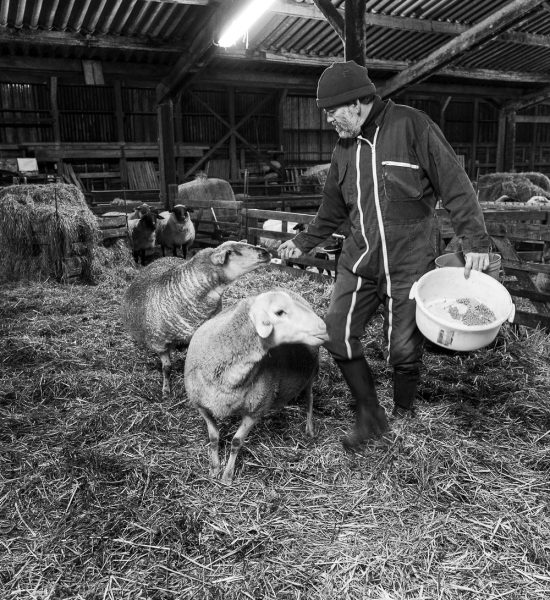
point(48, 231)
point(207, 197)
point(531, 188)
point(316, 177)
point(205, 188)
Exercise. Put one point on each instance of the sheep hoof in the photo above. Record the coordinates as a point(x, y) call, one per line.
point(215, 471)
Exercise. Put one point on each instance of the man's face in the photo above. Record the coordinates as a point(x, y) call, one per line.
point(345, 119)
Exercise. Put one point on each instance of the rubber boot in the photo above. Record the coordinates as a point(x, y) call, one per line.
point(370, 417)
point(405, 384)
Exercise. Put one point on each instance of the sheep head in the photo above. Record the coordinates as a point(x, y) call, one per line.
point(286, 319)
point(239, 258)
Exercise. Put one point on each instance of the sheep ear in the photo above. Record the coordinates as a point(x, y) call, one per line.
point(261, 321)
point(219, 256)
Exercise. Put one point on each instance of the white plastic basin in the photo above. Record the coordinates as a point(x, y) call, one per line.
point(441, 288)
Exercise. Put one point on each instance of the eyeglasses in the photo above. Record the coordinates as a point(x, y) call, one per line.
point(332, 111)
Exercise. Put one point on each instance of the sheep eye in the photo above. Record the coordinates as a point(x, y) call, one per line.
point(280, 313)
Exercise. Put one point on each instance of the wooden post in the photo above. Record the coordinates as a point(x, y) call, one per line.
point(501, 141)
point(167, 156)
point(233, 161)
point(355, 45)
point(123, 168)
point(54, 111)
point(475, 133)
point(172, 195)
point(510, 143)
point(442, 111)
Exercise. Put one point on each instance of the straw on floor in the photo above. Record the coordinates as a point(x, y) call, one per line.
point(105, 492)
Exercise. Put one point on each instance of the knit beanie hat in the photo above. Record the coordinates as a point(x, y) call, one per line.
point(343, 82)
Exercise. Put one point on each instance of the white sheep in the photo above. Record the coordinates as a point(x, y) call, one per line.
point(170, 298)
point(142, 234)
point(255, 356)
point(176, 230)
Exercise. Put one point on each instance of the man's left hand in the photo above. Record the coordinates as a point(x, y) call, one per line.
point(476, 261)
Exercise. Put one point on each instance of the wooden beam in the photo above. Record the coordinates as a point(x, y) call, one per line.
point(355, 42)
point(232, 130)
point(333, 16)
point(533, 119)
point(289, 8)
point(200, 54)
point(61, 39)
point(167, 158)
point(529, 100)
point(478, 34)
point(21, 66)
point(384, 65)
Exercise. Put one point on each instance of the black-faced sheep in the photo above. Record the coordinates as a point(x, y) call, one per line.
point(139, 211)
point(176, 230)
point(170, 298)
point(142, 234)
point(253, 357)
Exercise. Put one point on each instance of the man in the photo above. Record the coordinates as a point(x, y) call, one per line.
point(388, 169)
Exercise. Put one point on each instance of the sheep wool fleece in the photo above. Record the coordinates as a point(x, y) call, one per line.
point(386, 182)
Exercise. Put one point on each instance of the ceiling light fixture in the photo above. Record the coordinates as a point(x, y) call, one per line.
point(239, 27)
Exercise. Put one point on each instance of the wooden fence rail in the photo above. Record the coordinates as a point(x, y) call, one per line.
point(511, 231)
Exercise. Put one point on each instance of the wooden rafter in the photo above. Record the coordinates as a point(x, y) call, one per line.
point(478, 34)
point(200, 54)
point(393, 65)
point(231, 130)
point(60, 39)
point(528, 100)
point(332, 15)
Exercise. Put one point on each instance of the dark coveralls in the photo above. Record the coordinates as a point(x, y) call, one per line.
point(387, 182)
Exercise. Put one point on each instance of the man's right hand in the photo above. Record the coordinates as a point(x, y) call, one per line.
point(288, 250)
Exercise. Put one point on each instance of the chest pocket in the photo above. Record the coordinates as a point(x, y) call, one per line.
point(347, 184)
point(401, 180)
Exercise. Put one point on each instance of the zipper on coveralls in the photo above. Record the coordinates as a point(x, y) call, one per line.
point(380, 227)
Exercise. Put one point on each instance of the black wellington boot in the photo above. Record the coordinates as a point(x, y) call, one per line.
point(405, 384)
point(370, 417)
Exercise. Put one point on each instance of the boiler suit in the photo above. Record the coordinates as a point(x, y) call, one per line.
point(386, 182)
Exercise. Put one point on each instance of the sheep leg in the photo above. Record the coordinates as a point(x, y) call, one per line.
point(310, 430)
point(237, 442)
point(214, 437)
point(166, 370)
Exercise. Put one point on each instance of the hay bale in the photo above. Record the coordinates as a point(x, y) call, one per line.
point(512, 187)
point(316, 176)
point(46, 231)
point(205, 188)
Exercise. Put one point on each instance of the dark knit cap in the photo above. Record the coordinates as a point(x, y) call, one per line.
point(343, 82)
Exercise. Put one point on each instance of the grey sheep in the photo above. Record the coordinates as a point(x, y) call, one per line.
point(254, 356)
point(171, 297)
point(176, 230)
point(142, 234)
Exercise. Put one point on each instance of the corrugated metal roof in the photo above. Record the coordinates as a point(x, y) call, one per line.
point(154, 32)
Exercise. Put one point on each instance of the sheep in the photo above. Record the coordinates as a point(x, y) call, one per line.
point(142, 234)
point(140, 211)
point(176, 230)
point(170, 298)
point(255, 356)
